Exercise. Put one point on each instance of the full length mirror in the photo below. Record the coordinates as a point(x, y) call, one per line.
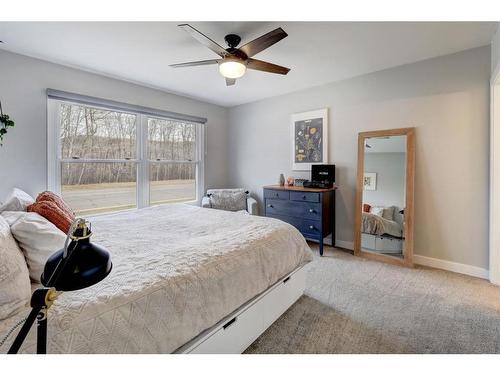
point(384, 199)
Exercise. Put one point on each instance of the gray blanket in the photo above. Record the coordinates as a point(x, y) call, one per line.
point(374, 224)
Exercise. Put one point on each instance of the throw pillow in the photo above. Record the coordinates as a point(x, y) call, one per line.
point(15, 286)
point(48, 196)
point(51, 211)
point(388, 213)
point(228, 199)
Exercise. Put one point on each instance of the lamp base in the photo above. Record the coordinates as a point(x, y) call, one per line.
point(41, 300)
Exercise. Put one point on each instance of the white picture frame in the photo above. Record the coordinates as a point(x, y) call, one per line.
point(370, 181)
point(303, 159)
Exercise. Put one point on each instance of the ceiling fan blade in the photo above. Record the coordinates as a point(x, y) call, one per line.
point(230, 81)
point(194, 63)
point(205, 40)
point(263, 42)
point(266, 67)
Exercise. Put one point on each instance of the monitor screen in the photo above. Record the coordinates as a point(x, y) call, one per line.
point(323, 172)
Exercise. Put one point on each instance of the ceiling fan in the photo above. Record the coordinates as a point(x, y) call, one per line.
point(235, 61)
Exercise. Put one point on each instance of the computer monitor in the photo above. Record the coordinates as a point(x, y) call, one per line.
point(323, 173)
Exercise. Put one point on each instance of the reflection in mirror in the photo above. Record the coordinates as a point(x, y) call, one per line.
point(384, 196)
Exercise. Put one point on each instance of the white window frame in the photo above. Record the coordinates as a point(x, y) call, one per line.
point(142, 161)
point(494, 214)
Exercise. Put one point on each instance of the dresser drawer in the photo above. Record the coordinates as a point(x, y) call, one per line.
point(309, 228)
point(276, 194)
point(236, 334)
point(306, 210)
point(304, 197)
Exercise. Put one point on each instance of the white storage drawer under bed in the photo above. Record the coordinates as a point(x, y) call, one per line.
point(382, 244)
point(236, 332)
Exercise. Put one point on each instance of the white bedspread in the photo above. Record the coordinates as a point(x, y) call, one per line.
point(177, 270)
point(374, 224)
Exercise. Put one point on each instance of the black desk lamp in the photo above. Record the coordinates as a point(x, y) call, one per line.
point(78, 265)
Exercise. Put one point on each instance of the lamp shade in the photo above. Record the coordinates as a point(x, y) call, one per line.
point(232, 68)
point(84, 265)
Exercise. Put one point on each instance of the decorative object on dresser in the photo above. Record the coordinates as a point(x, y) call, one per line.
point(322, 176)
point(230, 200)
point(290, 181)
point(282, 179)
point(311, 211)
point(309, 139)
point(299, 182)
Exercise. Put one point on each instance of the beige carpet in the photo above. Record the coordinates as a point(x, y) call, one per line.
point(353, 305)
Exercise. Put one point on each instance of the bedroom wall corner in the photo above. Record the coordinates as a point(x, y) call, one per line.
point(495, 53)
point(446, 98)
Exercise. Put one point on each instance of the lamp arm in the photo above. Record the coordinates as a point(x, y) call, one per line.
point(66, 255)
point(60, 266)
point(21, 336)
point(43, 298)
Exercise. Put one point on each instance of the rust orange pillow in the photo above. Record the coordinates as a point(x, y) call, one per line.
point(48, 196)
point(52, 213)
point(366, 207)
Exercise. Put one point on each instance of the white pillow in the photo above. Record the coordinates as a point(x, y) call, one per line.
point(37, 237)
point(384, 212)
point(15, 286)
point(18, 200)
point(377, 210)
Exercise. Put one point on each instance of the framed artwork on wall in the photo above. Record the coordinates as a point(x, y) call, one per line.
point(370, 181)
point(309, 139)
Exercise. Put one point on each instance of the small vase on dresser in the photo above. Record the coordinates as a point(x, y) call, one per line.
point(282, 179)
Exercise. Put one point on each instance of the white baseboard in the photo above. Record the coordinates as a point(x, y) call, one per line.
point(451, 266)
point(344, 244)
point(338, 243)
point(435, 263)
point(429, 262)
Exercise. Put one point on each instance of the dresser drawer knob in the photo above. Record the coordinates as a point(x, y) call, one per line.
point(311, 210)
point(270, 205)
point(311, 226)
point(304, 197)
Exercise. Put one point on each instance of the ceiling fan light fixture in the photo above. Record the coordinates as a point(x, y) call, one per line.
point(232, 69)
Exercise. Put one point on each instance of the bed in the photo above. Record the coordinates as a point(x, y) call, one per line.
point(382, 235)
point(181, 274)
point(377, 225)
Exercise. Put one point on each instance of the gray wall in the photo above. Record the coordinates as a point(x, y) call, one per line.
point(495, 51)
point(445, 98)
point(390, 169)
point(23, 81)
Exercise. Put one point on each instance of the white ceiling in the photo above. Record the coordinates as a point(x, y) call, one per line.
point(317, 53)
point(395, 143)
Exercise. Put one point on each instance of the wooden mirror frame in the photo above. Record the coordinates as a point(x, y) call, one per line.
point(410, 187)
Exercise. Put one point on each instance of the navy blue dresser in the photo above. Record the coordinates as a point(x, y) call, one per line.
point(311, 211)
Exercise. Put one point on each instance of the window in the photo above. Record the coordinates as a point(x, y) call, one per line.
point(172, 150)
point(105, 160)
